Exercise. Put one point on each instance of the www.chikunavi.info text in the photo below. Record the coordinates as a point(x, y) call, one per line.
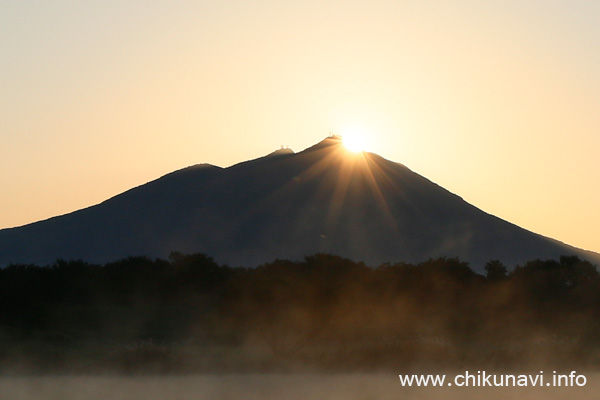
point(483, 379)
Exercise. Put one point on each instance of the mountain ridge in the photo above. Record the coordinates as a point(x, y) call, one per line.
point(322, 199)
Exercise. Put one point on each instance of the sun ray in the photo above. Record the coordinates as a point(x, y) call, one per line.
point(347, 172)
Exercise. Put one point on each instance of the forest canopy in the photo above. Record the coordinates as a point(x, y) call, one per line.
point(188, 313)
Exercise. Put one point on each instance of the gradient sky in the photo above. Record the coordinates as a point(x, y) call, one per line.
point(497, 101)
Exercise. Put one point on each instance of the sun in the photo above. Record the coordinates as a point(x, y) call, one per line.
point(355, 141)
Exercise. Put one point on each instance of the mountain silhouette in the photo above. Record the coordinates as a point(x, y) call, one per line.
point(285, 205)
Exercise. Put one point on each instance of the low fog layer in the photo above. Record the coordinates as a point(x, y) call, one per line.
point(190, 315)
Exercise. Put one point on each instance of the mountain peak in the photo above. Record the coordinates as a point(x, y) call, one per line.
point(332, 140)
point(285, 205)
point(283, 151)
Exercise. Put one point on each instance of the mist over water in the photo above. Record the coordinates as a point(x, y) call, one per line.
point(265, 387)
point(324, 328)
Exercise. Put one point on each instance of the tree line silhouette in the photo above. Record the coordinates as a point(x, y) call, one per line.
point(188, 313)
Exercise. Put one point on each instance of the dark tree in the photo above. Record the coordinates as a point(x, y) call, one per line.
point(495, 271)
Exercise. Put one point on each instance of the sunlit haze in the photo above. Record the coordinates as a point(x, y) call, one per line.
point(496, 101)
point(356, 141)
